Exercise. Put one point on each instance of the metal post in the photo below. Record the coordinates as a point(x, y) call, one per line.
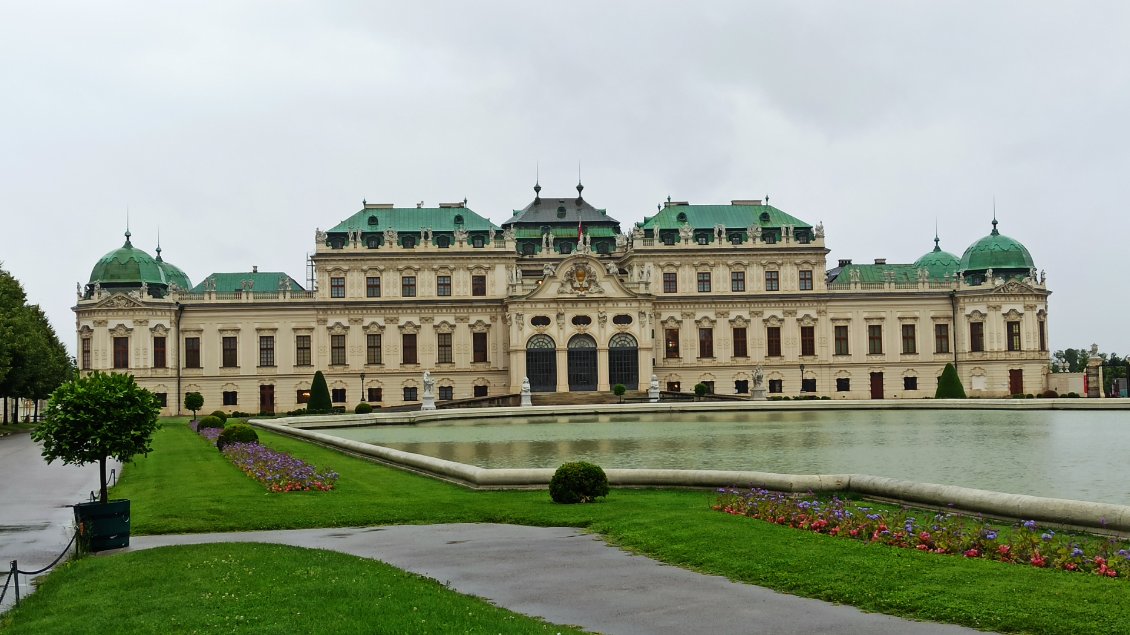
point(363, 395)
point(16, 575)
point(802, 378)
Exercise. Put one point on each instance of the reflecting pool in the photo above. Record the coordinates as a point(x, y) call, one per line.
point(1083, 455)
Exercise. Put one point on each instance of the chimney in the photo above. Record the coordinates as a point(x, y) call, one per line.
point(254, 268)
point(845, 262)
point(880, 261)
point(379, 205)
point(676, 203)
point(746, 201)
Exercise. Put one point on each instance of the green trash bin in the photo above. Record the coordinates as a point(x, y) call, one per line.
point(103, 526)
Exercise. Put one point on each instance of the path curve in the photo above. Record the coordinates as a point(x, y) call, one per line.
point(566, 576)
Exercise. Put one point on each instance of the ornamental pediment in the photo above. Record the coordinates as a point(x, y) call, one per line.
point(581, 276)
point(1014, 286)
point(120, 301)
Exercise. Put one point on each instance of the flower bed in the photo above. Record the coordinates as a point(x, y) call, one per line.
point(278, 471)
point(1025, 543)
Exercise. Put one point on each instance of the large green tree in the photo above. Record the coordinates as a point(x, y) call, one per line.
point(33, 361)
point(93, 418)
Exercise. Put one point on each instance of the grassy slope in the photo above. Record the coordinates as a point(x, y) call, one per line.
point(185, 486)
point(254, 588)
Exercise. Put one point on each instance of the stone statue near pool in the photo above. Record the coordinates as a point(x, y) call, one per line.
point(429, 401)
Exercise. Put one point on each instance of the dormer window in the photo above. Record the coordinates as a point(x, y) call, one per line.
point(408, 242)
point(668, 238)
point(477, 242)
point(458, 219)
point(681, 217)
point(566, 247)
point(372, 242)
point(735, 239)
point(528, 249)
point(764, 217)
point(702, 239)
point(337, 242)
point(373, 220)
point(443, 242)
point(561, 211)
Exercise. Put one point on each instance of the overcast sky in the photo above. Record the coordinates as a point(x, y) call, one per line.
point(237, 128)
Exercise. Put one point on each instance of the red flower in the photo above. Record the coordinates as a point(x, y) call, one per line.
point(972, 553)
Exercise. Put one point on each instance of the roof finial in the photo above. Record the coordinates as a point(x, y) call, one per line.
point(159, 244)
point(364, 201)
point(128, 244)
point(668, 198)
point(995, 232)
point(937, 246)
point(767, 198)
point(537, 181)
point(579, 186)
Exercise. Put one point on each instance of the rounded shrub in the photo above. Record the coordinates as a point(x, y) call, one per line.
point(210, 421)
point(237, 433)
point(220, 414)
point(1049, 394)
point(363, 408)
point(700, 390)
point(578, 482)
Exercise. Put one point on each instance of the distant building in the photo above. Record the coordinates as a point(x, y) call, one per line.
point(559, 294)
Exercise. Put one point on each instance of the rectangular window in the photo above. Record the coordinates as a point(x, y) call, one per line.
point(670, 282)
point(843, 384)
point(976, 337)
point(709, 387)
point(481, 391)
point(741, 386)
point(874, 339)
point(303, 395)
point(772, 280)
point(706, 342)
point(266, 350)
point(373, 287)
point(337, 287)
point(443, 285)
point(772, 341)
point(408, 348)
point(230, 398)
point(737, 281)
point(443, 348)
point(674, 386)
point(373, 348)
point(909, 339)
point(375, 394)
point(910, 383)
point(808, 340)
point(302, 350)
point(408, 286)
point(121, 352)
point(162, 399)
point(478, 285)
point(941, 338)
point(337, 395)
point(337, 350)
point(806, 280)
point(158, 352)
point(410, 393)
point(841, 337)
point(1013, 336)
point(230, 356)
point(479, 347)
point(86, 353)
point(1043, 336)
point(670, 343)
point(741, 348)
point(192, 352)
point(808, 385)
point(704, 282)
point(446, 393)
point(776, 385)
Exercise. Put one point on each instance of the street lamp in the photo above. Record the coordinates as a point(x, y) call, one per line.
point(363, 388)
point(802, 378)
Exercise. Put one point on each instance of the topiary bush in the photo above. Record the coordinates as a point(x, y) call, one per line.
point(237, 433)
point(1049, 394)
point(220, 414)
point(949, 384)
point(700, 390)
point(578, 482)
point(209, 422)
point(193, 401)
point(320, 402)
point(619, 390)
point(363, 408)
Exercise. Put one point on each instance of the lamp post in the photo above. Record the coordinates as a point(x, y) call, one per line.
point(802, 378)
point(363, 388)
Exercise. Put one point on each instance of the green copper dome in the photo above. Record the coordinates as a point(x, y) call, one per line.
point(173, 273)
point(127, 266)
point(996, 251)
point(938, 262)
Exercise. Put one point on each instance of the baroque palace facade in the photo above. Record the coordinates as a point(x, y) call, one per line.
point(560, 295)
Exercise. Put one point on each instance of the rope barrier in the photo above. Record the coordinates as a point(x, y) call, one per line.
point(15, 571)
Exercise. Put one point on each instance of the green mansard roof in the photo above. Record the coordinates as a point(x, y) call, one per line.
point(735, 216)
point(127, 266)
point(261, 281)
point(996, 251)
point(378, 218)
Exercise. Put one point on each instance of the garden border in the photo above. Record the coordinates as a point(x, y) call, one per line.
point(1104, 517)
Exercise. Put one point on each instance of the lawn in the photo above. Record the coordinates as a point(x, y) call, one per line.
point(187, 486)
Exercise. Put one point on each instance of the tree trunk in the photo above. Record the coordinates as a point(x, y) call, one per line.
point(5, 409)
point(102, 479)
point(35, 418)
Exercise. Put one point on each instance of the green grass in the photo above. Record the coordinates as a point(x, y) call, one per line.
point(13, 428)
point(254, 588)
point(187, 486)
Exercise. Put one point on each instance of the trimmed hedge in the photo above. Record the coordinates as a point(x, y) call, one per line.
point(949, 384)
point(319, 395)
point(578, 482)
point(363, 408)
point(237, 433)
point(211, 421)
point(220, 414)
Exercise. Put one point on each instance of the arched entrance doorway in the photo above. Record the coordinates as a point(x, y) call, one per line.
point(624, 361)
point(582, 363)
point(541, 363)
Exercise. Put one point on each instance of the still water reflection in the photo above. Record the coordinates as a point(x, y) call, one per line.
point(1079, 455)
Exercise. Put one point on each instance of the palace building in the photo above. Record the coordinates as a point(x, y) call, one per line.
point(561, 295)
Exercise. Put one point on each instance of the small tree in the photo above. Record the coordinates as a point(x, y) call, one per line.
point(619, 390)
point(949, 384)
point(193, 401)
point(699, 390)
point(96, 417)
point(319, 395)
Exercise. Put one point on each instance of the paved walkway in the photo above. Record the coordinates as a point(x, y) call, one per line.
point(569, 577)
point(36, 520)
